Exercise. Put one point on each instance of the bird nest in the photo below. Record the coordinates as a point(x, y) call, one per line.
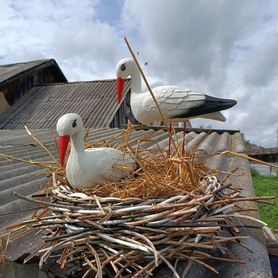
point(170, 207)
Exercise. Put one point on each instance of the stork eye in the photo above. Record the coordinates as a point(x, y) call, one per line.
point(74, 124)
point(123, 67)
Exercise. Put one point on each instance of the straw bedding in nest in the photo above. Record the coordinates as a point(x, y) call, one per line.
point(169, 208)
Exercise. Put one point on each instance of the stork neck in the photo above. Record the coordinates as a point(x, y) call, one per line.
point(136, 81)
point(77, 143)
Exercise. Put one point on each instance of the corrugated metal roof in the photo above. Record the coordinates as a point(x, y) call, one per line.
point(10, 70)
point(27, 179)
point(95, 101)
point(254, 150)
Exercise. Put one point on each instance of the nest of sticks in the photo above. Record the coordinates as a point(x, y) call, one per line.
point(171, 207)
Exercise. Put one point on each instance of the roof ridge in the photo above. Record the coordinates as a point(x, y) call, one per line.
point(27, 62)
point(78, 82)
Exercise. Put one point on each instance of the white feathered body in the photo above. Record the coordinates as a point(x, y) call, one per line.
point(177, 104)
point(97, 166)
point(172, 100)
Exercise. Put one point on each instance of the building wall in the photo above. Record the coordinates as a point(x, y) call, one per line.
point(264, 169)
point(124, 114)
point(267, 157)
point(21, 84)
point(3, 103)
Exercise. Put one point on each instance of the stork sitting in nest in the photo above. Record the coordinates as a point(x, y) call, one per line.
point(88, 167)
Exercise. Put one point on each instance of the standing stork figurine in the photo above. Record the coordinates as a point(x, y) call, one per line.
point(177, 104)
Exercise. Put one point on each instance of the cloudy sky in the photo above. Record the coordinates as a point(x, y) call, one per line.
point(226, 48)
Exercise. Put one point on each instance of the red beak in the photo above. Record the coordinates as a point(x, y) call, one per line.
point(64, 141)
point(121, 85)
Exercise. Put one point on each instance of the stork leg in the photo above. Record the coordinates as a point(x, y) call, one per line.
point(170, 140)
point(184, 138)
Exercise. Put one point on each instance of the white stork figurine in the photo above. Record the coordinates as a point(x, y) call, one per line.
point(86, 168)
point(177, 104)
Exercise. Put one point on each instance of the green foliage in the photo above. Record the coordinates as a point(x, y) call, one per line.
point(254, 172)
point(267, 186)
point(248, 143)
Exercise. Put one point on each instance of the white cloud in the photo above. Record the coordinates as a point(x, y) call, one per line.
point(261, 64)
point(224, 48)
point(190, 39)
point(68, 31)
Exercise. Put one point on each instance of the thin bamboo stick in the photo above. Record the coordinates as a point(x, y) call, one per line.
point(248, 158)
point(150, 90)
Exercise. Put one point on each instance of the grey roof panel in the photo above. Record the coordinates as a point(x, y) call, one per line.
point(10, 70)
point(40, 108)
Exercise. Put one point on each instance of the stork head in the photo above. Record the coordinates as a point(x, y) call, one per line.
point(124, 69)
point(67, 126)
